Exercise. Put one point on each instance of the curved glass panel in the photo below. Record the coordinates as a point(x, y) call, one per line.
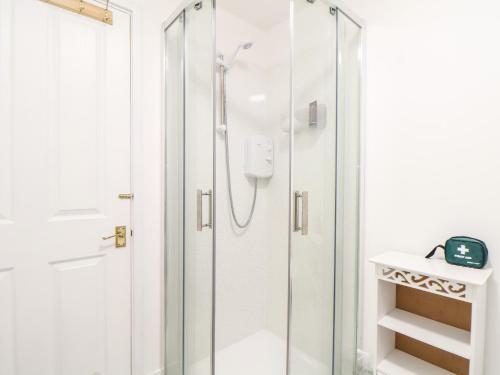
point(312, 245)
point(198, 166)
point(189, 191)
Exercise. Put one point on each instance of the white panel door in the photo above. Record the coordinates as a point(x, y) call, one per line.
point(64, 159)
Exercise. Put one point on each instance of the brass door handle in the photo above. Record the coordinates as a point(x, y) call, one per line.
point(120, 236)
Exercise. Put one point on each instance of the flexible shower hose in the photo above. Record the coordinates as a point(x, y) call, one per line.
point(231, 203)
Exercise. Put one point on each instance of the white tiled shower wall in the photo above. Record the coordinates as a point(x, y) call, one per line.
point(251, 287)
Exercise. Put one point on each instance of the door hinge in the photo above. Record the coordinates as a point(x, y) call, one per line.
point(85, 8)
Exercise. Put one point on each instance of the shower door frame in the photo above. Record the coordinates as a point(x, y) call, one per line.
point(361, 174)
point(341, 7)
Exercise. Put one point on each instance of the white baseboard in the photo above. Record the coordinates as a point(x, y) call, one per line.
point(157, 372)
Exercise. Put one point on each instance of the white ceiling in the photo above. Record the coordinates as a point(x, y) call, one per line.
point(263, 14)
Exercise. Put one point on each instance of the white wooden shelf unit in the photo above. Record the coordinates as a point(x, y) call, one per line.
point(437, 277)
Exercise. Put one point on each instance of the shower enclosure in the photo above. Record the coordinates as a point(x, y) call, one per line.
point(262, 127)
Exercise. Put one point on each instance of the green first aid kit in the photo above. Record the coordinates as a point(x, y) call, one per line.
point(464, 251)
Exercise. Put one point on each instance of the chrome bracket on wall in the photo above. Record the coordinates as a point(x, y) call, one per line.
point(198, 6)
point(333, 11)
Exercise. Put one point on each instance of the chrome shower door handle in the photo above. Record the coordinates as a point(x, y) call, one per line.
point(296, 196)
point(301, 216)
point(305, 213)
point(199, 209)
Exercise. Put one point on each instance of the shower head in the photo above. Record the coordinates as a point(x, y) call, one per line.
point(228, 63)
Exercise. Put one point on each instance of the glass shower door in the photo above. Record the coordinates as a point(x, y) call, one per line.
point(325, 190)
point(189, 191)
point(198, 220)
point(312, 245)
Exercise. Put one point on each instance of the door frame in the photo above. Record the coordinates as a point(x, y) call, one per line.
point(137, 204)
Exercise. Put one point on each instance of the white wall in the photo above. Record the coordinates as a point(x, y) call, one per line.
point(433, 120)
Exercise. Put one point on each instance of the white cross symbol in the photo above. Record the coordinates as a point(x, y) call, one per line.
point(463, 250)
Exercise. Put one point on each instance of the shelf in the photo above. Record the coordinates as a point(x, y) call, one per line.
point(439, 335)
point(435, 267)
point(399, 363)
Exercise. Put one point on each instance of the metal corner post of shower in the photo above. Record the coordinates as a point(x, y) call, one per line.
point(262, 125)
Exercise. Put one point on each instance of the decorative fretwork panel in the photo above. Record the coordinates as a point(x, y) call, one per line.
point(428, 283)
